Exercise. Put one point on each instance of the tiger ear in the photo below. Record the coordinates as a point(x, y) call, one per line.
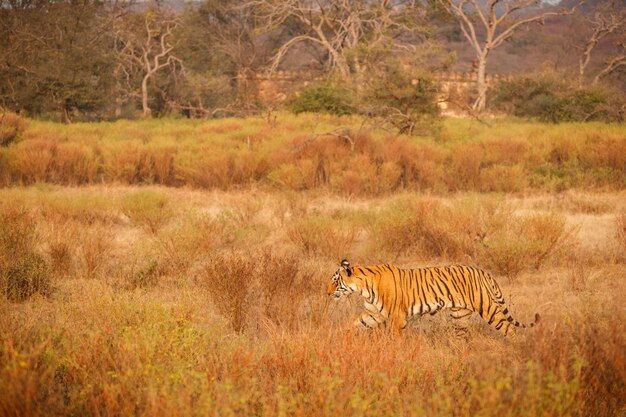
point(346, 266)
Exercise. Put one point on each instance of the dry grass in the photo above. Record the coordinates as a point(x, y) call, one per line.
point(220, 309)
point(297, 153)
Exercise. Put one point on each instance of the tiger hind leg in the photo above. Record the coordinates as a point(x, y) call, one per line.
point(461, 318)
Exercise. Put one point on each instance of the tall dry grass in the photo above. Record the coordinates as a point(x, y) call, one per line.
point(299, 153)
point(220, 311)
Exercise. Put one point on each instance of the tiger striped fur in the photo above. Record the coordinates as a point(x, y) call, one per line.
point(396, 295)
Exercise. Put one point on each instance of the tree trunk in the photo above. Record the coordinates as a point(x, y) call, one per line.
point(65, 114)
point(147, 113)
point(481, 84)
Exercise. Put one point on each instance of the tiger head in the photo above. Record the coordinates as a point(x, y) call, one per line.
point(340, 282)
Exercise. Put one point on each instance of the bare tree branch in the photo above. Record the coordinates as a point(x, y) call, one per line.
point(493, 17)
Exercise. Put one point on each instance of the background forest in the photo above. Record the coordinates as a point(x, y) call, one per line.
point(105, 60)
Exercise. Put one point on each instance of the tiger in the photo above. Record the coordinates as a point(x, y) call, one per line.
point(396, 295)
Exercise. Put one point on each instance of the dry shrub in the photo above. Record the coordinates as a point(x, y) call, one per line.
point(85, 209)
point(605, 153)
point(34, 159)
point(62, 248)
point(283, 285)
point(95, 247)
point(7, 170)
point(322, 236)
point(224, 170)
point(229, 278)
point(434, 229)
point(17, 232)
point(525, 242)
point(579, 273)
point(61, 254)
point(163, 164)
point(562, 152)
point(129, 165)
point(620, 222)
point(293, 205)
point(576, 203)
point(363, 177)
point(465, 167)
point(244, 285)
point(315, 161)
point(11, 127)
point(149, 209)
point(222, 127)
point(245, 210)
point(505, 151)
point(23, 271)
point(604, 370)
point(192, 241)
point(296, 176)
point(74, 165)
point(485, 232)
point(421, 166)
point(147, 276)
point(501, 178)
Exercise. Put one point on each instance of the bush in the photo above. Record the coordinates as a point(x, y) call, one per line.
point(23, 272)
point(403, 99)
point(324, 98)
point(11, 127)
point(147, 208)
point(95, 247)
point(429, 228)
point(145, 277)
point(229, 279)
point(553, 100)
point(322, 236)
point(524, 242)
point(620, 222)
point(26, 276)
point(283, 287)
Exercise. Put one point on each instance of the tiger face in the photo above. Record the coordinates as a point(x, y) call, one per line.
point(339, 286)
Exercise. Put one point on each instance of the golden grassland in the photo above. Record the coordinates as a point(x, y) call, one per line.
point(298, 153)
point(127, 298)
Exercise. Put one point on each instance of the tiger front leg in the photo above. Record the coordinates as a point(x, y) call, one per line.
point(398, 324)
point(369, 320)
point(371, 317)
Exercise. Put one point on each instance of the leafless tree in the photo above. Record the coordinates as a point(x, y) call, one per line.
point(336, 26)
point(144, 42)
point(496, 18)
point(608, 19)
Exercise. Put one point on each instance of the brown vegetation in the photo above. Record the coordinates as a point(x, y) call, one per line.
point(220, 309)
point(464, 156)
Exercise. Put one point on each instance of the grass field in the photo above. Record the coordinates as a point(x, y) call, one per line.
point(133, 297)
point(342, 155)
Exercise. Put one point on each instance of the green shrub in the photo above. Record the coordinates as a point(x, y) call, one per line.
point(403, 99)
point(553, 100)
point(323, 98)
point(26, 276)
point(23, 272)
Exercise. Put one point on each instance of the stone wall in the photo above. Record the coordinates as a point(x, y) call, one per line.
point(276, 88)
